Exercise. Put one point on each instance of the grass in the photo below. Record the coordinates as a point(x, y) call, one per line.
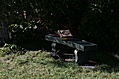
point(39, 65)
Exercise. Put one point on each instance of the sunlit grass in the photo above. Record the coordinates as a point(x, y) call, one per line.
point(39, 65)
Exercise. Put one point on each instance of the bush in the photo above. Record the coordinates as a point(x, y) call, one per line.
point(93, 20)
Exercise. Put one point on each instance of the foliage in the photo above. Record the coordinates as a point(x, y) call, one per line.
point(100, 24)
point(93, 20)
point(11, 48)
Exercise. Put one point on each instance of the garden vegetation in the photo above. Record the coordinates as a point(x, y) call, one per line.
point(93, 20)
point(24, 24)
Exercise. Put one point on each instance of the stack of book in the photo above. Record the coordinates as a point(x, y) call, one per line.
point(64, 34)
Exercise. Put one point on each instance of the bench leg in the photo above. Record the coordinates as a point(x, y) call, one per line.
point(56, 50)
point(81, 57)
point(76, 55)
point(53, 54)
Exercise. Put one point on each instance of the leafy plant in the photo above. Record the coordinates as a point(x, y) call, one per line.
point(90, 20)
point(11, 48)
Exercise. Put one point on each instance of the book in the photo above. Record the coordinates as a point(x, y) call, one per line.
point(65, 34)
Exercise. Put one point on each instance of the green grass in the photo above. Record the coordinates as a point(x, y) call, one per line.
point(39, 65)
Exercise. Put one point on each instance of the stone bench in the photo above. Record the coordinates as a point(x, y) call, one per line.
point(81, 47)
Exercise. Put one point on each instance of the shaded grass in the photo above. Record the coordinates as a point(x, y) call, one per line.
point(109, 60)
point(39, 65)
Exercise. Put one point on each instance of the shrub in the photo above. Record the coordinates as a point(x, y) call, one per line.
point(93, 20)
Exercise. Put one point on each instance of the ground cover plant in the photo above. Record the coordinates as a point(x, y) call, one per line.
point(40, 65)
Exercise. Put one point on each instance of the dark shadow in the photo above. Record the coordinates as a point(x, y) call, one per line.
point(57, 62)
point(34, 44)
point(99, 56)
point(108, 61)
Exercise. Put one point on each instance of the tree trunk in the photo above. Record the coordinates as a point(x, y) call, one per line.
point(4, 35)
